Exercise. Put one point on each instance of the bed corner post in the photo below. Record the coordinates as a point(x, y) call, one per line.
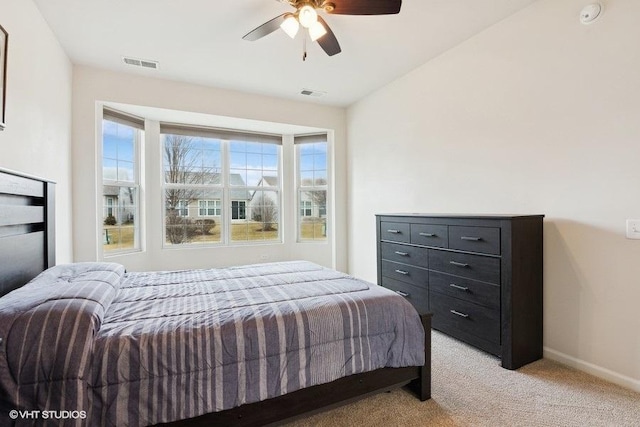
point(422, 385)
point(50, 224)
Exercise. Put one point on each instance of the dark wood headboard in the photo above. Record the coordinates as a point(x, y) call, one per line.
point(27, 228)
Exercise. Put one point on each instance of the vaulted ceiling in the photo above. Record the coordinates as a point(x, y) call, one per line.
point(200, 41)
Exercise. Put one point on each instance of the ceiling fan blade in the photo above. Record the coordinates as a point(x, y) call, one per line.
point(328, 42)
point(266, 28)
point(366, 7)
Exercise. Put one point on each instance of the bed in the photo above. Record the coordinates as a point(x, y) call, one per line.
point(247, 345)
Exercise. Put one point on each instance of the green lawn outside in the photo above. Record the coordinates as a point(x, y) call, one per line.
point(120, 238)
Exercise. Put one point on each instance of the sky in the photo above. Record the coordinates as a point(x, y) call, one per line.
point(249, 160)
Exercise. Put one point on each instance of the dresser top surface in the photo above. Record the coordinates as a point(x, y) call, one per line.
point(461, 215)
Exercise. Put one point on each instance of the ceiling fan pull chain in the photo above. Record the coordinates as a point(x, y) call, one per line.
point(304, 49)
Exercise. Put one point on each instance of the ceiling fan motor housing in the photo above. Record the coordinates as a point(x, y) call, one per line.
point(327, 6)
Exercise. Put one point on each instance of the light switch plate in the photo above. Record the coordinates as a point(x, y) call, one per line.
point(633, 229)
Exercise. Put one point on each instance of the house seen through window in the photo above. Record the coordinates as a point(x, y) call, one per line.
point(218, 182)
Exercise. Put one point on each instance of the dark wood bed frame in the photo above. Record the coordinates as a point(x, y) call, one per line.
point(27, 228)
point(27, 247)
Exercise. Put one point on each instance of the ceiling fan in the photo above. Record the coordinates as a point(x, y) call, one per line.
point(306, 15)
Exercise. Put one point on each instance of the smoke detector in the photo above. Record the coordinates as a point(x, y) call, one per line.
point(590, 13)
point(136, 62)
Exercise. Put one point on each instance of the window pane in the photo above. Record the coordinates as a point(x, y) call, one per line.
point(306, 162)
point(270, 162)
point(312, 193)
point(195, 210)
point(238, 160)
point(252, 164)
point(320, 177)
point(120, 202)
point(238, 177)
point(120, 228)
point(118, 152)
point(270, 149)
point(238, 146)
point(320, 161)
point(191, 160)
point(254, 177)
point(125, 150)
point(254, 147)
point(306, 178)
point(256, 219)
point(109, 169)
point(254, 161)
point(190, 216)
point(125, 171)
point(313, 215)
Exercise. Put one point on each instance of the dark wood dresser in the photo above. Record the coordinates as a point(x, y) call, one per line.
point(480, 276)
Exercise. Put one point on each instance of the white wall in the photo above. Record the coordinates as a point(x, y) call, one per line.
point(92, 86)
point(537, 114)
point(37, 138)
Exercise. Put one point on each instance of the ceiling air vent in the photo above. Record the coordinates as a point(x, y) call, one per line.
point(140, 62)
point(311, 92)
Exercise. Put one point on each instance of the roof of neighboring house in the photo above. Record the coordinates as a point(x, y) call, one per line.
point(111, 190)
point(271, 181)
point(235, 180)
point(240, 194)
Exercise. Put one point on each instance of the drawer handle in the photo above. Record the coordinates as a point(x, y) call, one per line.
point(403, 294)
point(427, 234)
point(402, 253)
point(458, 264)
point(473, 239)
point(457, 313)
point(462, 288)
point(406, 273)
point(393, 231)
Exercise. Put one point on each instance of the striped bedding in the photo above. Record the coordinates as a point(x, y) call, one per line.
point(135, 349)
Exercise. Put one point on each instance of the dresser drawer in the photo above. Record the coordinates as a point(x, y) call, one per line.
point(406, 273)
point(480, 293)
point(452, 314)
point(405, 254)
point(395, 231)
point(477, 267)
point(430, 235)
point(475, 239)
point(417, 296)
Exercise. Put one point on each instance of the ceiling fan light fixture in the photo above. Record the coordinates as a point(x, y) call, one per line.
point(317, 30)
point(290, 26)
point(307, 15)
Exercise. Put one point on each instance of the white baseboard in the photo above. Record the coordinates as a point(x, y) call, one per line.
point(590, 368)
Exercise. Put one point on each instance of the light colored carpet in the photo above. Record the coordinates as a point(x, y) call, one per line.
point(469, 388)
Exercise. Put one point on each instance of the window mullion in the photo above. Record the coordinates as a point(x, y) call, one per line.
point(226, 199)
